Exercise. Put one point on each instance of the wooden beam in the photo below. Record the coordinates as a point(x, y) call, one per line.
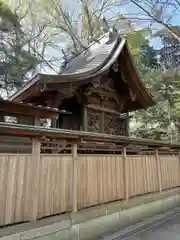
point(35, 164)
point(103, 109)
point(133, 79)
point(74, 177)
point(22, 109)
point(35, 131)
point(158, 166)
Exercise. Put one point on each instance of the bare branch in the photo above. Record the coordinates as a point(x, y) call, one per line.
point(155, 18)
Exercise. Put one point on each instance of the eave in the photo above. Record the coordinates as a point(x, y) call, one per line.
point(119, 50)
point(10, 108)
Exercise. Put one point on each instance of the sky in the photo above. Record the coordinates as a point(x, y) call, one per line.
point(157, 43)
point(130, 9)
point(133, 9)
point(175, 20)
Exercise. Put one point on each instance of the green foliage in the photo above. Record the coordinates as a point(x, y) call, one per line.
point(7, 16)
point(170, 51)
point(136, 39)
point(15, 61)
point(157, 122)
point(14, 69)
point(161, 121)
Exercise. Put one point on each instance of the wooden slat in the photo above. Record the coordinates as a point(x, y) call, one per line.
point(4, 162)
point(20, 190)
point(10, 190)
point(100, 179)
point(74, 177)
point(159, 176)
point(35, 163)
point(126, 177)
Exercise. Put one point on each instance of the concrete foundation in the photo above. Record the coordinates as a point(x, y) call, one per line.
point(94, 223)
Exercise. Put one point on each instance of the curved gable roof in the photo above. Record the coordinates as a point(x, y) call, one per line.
point(93, 61)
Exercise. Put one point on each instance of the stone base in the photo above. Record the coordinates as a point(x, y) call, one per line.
point(96, 222)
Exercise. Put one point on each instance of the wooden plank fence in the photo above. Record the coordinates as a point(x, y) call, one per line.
point(100, 179)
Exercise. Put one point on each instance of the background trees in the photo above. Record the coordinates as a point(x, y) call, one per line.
point(162, 120)
point(16, 61)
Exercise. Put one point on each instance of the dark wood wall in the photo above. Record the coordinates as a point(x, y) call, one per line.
point(95, 107)
point(72, 121)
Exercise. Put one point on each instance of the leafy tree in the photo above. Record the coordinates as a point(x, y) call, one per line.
point(162, 120)
point(170, 51)
point(156, 122)
point(15, 61)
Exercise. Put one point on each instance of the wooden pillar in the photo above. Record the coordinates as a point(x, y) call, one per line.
point(53, 123)
point(127, 122)
point(74, 177)
point(2, 117)
point(85, 119)
point(37, 121)
point(102, 121)
point(126, 180)
point(158, 166)
point(35, 168)
point(35, 164)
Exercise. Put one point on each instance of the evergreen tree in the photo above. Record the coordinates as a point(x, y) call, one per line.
point(170, 51)
point(162, 120)
point(15, 60)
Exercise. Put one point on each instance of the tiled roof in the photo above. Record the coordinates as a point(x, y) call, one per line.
point(95, 57)
point(92, 61)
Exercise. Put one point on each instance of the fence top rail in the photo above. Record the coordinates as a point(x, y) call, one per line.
point(13, 129)
point(10, 108)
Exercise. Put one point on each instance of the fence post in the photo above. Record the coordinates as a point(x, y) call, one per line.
point(126, 180)
point(35, 164)
point(74, 177)
point(159, 177)
point(179, 163)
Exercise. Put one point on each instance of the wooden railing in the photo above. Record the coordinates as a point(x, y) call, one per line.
point(95, 169)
